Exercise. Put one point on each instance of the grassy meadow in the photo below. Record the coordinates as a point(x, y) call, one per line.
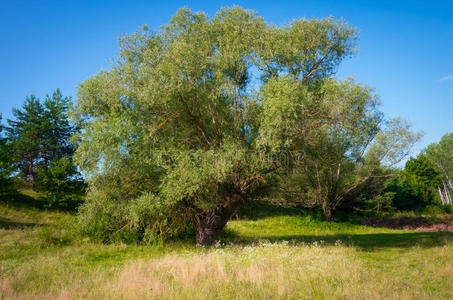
point(281, 255)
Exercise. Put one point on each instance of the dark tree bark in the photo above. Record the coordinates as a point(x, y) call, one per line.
point(207, 235)
point(209, 227)
point(30, 169)
point(327, 211)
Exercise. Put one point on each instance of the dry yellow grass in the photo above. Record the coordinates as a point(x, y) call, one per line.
point(260, 271)
point(265, 271)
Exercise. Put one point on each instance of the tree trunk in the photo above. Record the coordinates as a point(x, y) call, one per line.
point(327, 211)
point(209, 227)
point(46, 160)
point(30, 170)
point(206, 235)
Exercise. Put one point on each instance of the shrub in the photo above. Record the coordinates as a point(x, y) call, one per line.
point(62, 184)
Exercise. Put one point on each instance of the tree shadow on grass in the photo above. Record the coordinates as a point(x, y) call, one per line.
point(21, 200)
point(366, 242)
point(8, 224)
point(257, 209)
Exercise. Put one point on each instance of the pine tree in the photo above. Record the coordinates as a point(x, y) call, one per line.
point(5, 161)
point(40, 135)
point(58, 176)
point(27, 133)
point(59, 129)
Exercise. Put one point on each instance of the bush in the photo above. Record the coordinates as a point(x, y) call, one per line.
point(62, 184)
point(433, 210)
point(406, 196)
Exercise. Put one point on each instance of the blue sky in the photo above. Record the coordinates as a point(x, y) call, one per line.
point(405, 47)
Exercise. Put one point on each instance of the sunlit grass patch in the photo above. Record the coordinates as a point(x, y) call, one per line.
point(278, 257)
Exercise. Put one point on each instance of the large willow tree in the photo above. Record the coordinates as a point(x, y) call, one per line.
point(180, 131)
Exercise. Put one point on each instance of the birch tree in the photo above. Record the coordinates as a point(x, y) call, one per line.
point(441, 155)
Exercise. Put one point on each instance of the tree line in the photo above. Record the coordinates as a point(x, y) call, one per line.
point(177, 135)
point(36, 150)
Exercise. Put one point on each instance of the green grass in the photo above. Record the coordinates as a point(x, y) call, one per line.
point(275, 253)
point(308, 230)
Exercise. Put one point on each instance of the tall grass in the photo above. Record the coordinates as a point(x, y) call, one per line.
point(279, 257)
point(259, 271)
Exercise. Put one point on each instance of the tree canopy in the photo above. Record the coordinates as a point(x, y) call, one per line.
point(441, 155)
point(193, 120)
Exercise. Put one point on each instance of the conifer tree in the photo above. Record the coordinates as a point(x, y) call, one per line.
point(27, 133)
point(58, 128)
point(5, 161)
point(40, 139)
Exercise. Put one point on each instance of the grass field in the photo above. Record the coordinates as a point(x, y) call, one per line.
point(282, 255)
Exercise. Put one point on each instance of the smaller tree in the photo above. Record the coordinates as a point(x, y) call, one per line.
point(62, 183)
point(423, 177)
point(405, 195)
point(373, 196)
point(58, 131)
point(441, 155)
point(26, 134)
point(348, 149)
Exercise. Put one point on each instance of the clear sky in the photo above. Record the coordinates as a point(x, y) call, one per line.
point(405, 47)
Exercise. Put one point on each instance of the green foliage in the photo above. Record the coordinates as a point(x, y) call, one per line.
point(433, 210)
point(424, 178)
point(306, 49)
point(423, 171)
point(448, 208)
point(406, 196)
point(441, 155)
point(58, 127)
point(394, 143)
point(26, 134)
point(6, 181)
point(415, 187)
point(375, 198)
point(181, 117)
point(61, 183)
point(199, 117)
point(41, 151)
point(345, 161)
